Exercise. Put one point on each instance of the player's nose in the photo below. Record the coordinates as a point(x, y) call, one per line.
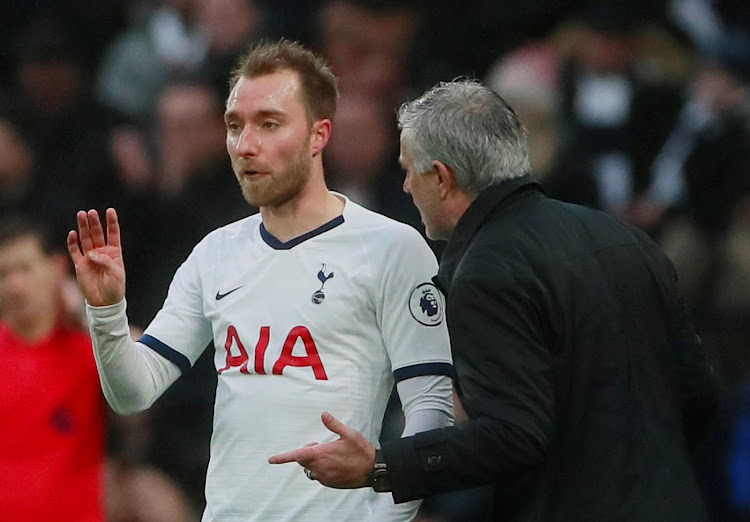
point(248, 143)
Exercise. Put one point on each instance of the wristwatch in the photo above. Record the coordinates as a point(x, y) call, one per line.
point(379, 479)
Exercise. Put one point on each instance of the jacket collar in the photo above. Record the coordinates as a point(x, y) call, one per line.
point(477, 213)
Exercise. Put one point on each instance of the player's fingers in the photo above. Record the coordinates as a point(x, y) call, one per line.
point(73, 248)
point(113, 228)
point(84, 232)
point(97, 232)
point(338, 427)
point(301, 455)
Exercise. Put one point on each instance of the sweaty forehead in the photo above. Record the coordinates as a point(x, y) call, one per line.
point(277, 91)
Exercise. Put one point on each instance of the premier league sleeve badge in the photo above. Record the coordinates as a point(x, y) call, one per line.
point(425, 305)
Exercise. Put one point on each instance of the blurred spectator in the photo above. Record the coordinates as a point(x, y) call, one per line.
point(51, 111)
point(20, 192)
point(131, 158)
point(230, 26)
point(145, 494)
point(92, 21)
point(182, 38)
point(293, 19)
point(617, 108)
point(698, 19)
point(369, 45)
point(191, 136)
point(362, 158)
point(700, 177)
point(141, 59)
point(52, 413)
point(466, 38)
point(528, 78)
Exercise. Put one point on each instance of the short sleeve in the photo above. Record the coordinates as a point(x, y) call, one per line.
point(411, 310)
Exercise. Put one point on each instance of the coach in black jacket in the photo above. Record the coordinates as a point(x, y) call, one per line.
point(583, 379)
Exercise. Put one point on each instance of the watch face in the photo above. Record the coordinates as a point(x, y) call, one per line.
point(381, 482)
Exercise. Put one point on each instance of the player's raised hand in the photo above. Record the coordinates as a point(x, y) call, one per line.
point(343, 464)
point(98, 259)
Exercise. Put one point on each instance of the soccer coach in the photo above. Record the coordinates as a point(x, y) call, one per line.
point(584, 381)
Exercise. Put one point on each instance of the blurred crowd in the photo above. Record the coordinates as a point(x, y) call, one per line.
point(638, 108)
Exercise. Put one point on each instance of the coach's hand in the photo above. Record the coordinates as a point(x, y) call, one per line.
point(98, 260)
point(344, 463)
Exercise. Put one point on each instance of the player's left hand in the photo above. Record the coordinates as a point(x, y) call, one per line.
point(343, 464)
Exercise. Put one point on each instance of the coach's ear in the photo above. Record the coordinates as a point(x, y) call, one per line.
point(320, 133)
point(446, 179)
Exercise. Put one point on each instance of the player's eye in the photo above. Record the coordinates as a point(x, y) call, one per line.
point(268, 124)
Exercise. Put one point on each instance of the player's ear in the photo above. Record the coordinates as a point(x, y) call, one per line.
point(446, 178)
point(321, 132)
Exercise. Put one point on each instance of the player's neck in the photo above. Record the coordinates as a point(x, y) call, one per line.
point(313, 207)
point(33, 329)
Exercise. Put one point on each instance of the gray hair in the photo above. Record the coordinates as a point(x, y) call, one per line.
point(468, 127)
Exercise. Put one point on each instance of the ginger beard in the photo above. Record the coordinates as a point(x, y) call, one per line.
point(273, 189)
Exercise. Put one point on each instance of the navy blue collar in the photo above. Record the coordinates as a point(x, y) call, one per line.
point(277, 244)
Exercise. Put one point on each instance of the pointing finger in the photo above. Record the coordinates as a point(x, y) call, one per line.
point(300, 455)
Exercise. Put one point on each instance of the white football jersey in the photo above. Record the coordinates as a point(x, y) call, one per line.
point(324, 322)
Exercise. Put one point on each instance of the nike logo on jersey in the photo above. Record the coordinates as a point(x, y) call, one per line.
point(220, 296)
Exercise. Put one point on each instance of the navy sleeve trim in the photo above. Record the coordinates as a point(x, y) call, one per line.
point(416, 370)
point(182, 362)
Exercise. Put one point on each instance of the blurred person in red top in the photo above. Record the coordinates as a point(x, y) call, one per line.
point(52, 417)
